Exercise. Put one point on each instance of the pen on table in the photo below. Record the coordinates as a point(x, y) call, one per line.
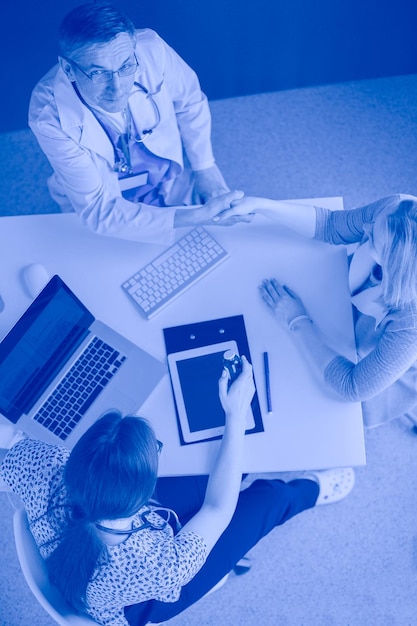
point(267, 382)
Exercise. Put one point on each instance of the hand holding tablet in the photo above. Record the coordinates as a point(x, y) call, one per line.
point(195, 375)
point(236, 397)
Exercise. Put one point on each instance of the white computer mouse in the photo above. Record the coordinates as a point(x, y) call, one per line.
point(34, 279)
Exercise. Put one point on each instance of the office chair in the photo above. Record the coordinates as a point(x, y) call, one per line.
point(34, 571)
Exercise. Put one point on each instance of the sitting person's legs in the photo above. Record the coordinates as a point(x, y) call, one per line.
point(183, 494)
point(261, 507)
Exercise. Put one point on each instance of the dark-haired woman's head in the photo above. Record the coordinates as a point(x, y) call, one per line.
point(112, 470)
point(110, 474)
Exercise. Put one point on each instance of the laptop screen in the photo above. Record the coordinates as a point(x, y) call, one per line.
point(38, 345)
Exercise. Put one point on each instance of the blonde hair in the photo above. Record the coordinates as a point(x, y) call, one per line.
point(399, 255)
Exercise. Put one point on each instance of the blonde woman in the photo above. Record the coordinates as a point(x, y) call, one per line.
point(383, 286)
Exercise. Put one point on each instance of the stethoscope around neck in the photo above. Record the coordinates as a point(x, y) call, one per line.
point(147, 131)
point(124, 167)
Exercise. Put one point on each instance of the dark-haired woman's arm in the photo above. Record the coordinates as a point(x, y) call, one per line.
point(225, 479)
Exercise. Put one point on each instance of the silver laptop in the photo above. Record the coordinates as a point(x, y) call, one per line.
point(60, 369)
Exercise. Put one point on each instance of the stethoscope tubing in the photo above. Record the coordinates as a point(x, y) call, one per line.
point(137, 139)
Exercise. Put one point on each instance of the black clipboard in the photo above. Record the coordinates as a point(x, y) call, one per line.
point(188, 336)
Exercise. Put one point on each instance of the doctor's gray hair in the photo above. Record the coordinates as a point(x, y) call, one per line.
point(91, 24)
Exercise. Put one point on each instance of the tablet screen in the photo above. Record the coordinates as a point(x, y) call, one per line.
point(195, 377)
point(199, 380)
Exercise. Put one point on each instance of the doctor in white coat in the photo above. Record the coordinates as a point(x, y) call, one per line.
point(126, 128)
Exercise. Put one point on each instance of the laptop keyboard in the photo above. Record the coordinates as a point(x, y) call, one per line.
point(73, 396)
point(166, 277)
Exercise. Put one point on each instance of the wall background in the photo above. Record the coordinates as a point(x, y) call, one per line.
point(237, 47)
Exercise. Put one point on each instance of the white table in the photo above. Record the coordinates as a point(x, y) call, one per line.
point(309, 427)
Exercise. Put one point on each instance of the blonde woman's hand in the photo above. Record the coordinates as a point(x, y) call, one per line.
point(284, 303)
point(247, 205)
point(241, 210)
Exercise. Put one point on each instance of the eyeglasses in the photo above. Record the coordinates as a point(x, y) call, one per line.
point(105, 76)
point(149, 520)
point(159, 446)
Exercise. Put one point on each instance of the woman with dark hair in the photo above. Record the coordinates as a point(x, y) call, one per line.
point(111, 533)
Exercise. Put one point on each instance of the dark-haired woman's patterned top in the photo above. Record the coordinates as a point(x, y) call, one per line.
point(148, 565)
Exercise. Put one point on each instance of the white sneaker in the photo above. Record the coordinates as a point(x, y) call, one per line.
point(335, 484)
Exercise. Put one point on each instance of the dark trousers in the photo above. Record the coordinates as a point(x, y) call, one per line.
point(261, 507)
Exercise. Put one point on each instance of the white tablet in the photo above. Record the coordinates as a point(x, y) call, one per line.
point(195, 377)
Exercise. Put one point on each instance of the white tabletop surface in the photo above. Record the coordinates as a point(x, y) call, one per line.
point(309, 427)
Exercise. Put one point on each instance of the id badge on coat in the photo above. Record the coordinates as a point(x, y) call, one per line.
point(133, 181)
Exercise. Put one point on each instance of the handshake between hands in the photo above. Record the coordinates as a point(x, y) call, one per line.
point(233, 207)
point(228, 209)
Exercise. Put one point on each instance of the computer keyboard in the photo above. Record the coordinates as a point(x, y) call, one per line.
point(173, 271)
point(86, 379)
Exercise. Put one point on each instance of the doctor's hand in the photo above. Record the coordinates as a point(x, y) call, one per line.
point(284, 303)
point(216, 212)
point(248, 205)
point(236, 399)
point(220, 212)
point(241, 209)
point(208, 183)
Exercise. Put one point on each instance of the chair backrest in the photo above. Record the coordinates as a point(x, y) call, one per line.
point(34, 571)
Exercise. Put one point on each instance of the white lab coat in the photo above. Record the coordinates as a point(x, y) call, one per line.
point(83, 158)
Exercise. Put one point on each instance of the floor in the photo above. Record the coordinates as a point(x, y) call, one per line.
point(347, 564)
